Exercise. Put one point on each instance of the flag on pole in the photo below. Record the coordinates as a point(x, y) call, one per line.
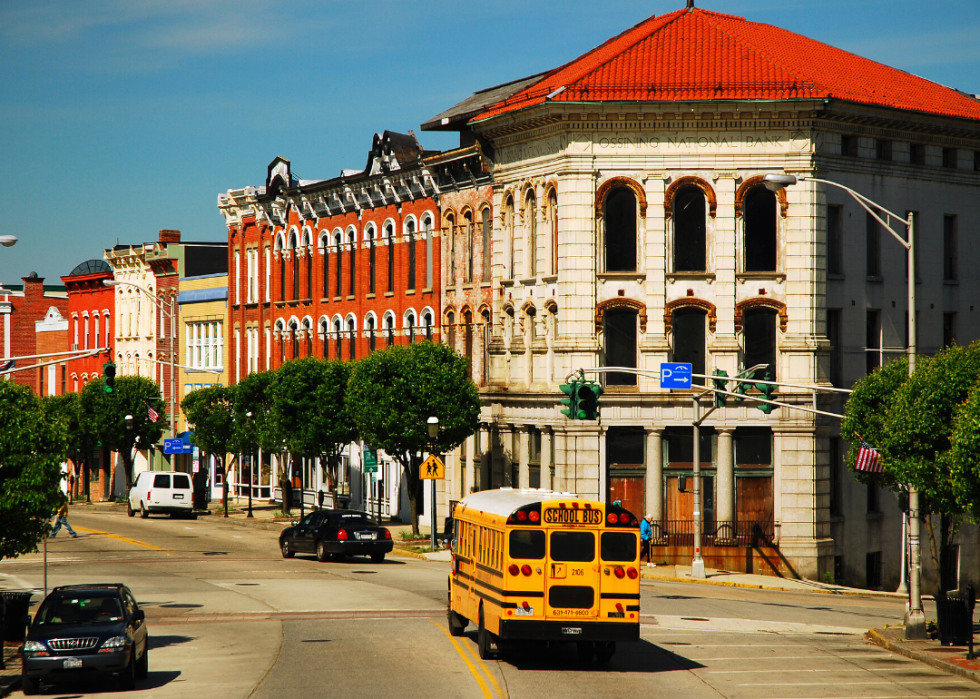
point(868, 459)
point(7, 366)
point(151, 413)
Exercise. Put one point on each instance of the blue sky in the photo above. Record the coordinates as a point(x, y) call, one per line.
point(122, 117)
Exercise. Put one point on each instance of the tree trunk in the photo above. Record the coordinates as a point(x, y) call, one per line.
point(414, 488)
point(933, 549)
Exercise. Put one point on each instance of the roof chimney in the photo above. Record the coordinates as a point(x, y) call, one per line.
point(168, 236)
point(690, 4)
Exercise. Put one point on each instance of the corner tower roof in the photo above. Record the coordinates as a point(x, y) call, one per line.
point(695, 54)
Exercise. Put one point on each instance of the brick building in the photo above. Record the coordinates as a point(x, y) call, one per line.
point(33, 323)
point(91, 310)
point(632, 227)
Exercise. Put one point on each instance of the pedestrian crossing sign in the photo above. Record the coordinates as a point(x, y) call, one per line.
point(432, 469)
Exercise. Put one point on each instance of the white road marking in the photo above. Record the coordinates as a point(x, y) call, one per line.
point(784, 671)
point(841, 684)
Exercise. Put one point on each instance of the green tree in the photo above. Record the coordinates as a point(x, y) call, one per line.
point(82, 440)
point(392, 394)
point(33, 444)
point(108, 411)
point(964, 454)
point(253, 394)
point(210, 410)
point(309, 410)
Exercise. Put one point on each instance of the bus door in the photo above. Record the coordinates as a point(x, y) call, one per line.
point(572, 575)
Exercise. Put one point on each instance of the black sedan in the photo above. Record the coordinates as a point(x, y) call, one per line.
point(86, 630)
point(336, 534)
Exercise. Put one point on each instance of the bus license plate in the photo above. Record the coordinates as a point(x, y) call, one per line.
point(72, 663)
point(525, 611)
point(571, 631)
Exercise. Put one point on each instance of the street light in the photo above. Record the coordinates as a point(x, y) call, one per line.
point(915, 620)
point(433, 427)
point(8, 241)
point(251, 471)
point(173, 332)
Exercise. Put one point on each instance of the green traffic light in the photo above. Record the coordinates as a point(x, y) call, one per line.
point(571, 402)
point(721, 400)
point(588, 401)
point(767, 391)
point(109, 373)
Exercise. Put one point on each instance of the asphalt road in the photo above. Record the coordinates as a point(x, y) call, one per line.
point(229, 617)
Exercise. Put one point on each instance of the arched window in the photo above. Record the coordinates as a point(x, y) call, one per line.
point(108, 330)
point(338, 241)
point(390, 238)
point(759, 341)
point(325, 248)
point(295, 248)
point(324, 335)
point(309, 271)
point(470, 244)
point(294, 335)
point(427, 324)
point(352, 242)
point(282, 274)
point(370, 330)
point(427, 232)
point(619, 214)
point(531, 255)
point(690, 241)
point(372, 260)
point(95, 330)
point(451, 244)
point(85, 346)
point(410, 230)
point(390, 329)
point(619, 334)
point(451, 328)
point(486, 256)
point(410, 326)
point(553, 223)
point(338, 331)
point(508, 225)
point(352, 335)
point(760, 230)
point(487, 331)
point(74, 383)
point(687, 327)
point(468, 334)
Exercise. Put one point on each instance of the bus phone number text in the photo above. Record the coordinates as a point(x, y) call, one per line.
point(554, 515)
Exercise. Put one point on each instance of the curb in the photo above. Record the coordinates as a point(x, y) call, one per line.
point(750, 586)
point(238, 522)
point(926, 658)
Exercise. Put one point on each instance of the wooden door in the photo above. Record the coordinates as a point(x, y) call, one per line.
point(680, 506)
point(628, 489)
point(754, 499)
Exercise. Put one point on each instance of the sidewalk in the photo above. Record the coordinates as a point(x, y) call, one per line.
point(10, 677)
point(950, 659)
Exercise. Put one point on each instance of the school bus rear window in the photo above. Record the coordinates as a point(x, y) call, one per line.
point(617, 546)
point(527, 544)
point(576, 547)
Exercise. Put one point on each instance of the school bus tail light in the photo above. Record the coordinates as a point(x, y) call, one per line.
point(526, 570)
point(632, 573)
point(528, 514)
point(620, 573)
point(513, 569)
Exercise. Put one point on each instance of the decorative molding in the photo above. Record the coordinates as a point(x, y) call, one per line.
point(621, 302)
point(612, 183)
point(690, 302)
point(690, 181)
point(760, 302)
point(751, 183)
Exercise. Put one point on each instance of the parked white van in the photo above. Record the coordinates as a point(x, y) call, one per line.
point(167, 492)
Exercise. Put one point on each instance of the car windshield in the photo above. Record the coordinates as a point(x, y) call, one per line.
point(354, 519)
point(80, 610)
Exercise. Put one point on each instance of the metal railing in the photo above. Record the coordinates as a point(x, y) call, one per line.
point(680, 532)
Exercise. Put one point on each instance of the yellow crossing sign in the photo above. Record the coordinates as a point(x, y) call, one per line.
point(432, 469)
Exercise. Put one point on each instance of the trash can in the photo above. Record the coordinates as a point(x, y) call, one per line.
point(15, 606)
point(955, 619)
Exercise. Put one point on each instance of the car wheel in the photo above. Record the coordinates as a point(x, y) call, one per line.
point(143, 666)
point(286, 551)
point(127, 678)
point(586, 651)
point(483, 639)
point(129, 509)
point(144, 513)
point(321, 552)
point(605, 651)
point(29, 685)
point(377, 558)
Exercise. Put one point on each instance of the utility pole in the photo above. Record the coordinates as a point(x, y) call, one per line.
point(697, 565)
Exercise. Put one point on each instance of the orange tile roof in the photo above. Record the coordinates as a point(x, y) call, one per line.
point(701, 55)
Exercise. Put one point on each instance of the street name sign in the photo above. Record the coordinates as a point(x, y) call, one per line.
point(432, 469)
point(675, 375)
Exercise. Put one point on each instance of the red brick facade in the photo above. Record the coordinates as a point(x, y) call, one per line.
point(91, 313)
point(27, 308)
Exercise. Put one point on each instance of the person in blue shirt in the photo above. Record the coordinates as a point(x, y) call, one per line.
point(645, 533)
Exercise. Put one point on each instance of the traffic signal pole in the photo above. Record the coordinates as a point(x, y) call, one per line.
point(697, 565)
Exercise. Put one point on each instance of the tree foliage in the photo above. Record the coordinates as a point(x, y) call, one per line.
point(210, 411)
point(33, 444)
point(392, 394)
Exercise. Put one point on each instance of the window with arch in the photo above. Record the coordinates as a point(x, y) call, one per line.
point(307, 330)
point(619, 329)
point(468, 334)
point(427, 324)
point(76, 331)
point(108, 330)
point(95, 330)
point(553, 232)
point(451, 244)
point(485, 253)
point(427, 232)
point(324, 337)
point(85, 346)
point(325, 249)
point(451, 330)
point(470, 245)
point(688, 341)
point(372, 259)
point(759, 217)
point(690, 238)
point(309, 271)
point(410, 231)
point(508, 225)
point(282, 273)
point(487, 331)
point(390, 330)
point(370, 333)
point(352, 248)
point(293, 244)
point(74, 384)
point(759, 340)
point(410, 326)
point(531, 216)
point(338, 241)
point(352, 343)
point(294, 336)
point(619, 215)
point(338, 332)
point(390, 239)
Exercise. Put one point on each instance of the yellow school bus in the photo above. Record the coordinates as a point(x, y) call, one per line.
point(536, 565)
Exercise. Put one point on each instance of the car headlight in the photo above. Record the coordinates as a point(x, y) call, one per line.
point(34, 647)
point(114, 643)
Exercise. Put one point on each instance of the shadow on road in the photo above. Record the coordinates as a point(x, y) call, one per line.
point(638, 656)
point(164, 641)
point(91, 685)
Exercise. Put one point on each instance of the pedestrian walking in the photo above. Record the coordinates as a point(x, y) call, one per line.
point(62, 519)
point(71, 485)
point(646, 531)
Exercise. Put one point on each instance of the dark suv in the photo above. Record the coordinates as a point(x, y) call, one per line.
point(86, 630)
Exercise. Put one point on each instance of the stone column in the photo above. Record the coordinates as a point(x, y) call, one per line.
point(654, 480)
point(483, 450)
point(467, 480)
point(524, 472)
point(546, 483)
point(506, 438)
point(725, 485)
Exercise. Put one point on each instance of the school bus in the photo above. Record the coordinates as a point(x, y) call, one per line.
point(536, 565)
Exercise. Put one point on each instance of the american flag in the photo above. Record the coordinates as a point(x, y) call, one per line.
point(152, 414)
point(868, 459)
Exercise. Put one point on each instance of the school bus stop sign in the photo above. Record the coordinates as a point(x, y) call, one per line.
point(432, 469)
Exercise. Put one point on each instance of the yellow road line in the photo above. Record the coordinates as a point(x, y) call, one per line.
point(122, 538)
point(483, 685)
point(485, 669)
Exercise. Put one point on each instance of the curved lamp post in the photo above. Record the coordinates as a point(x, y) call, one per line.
point(251, 470)
point(8, 241)
point(915, 620)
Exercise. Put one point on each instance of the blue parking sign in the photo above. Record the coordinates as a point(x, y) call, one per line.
point(675, 375)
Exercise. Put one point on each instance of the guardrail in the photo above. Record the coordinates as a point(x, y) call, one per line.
point(680, 532)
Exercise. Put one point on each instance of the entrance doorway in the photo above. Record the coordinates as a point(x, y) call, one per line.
point(626, 468)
